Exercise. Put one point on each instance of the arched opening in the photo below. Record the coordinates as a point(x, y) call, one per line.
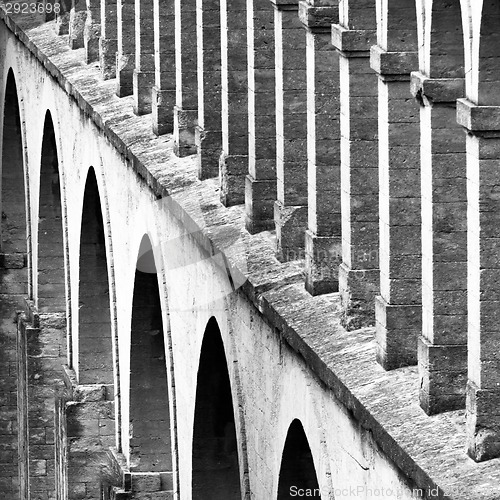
point(13, 224)
point(446, 40)
point(150, 438)
point(297, 466)
point(489, 56)
point(51, 281)
point(216, 472)
point(94, 343)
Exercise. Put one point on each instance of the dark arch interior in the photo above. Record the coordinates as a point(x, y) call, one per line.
point(150, 440)
point(489, 55)
point(51, 281)
point(297, 467)
point(215, 454)
point(95, 346)
point(13, 193)
point(447, 41)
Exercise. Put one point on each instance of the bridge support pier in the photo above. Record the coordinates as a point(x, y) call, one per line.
point(260, 183)
point(443, 345)
point(359, 273)
point(233, 162)
point(186, 108)
point(483, 285)
point(398, 309)
point(323, 237)
point(163, 91)
point(290, 208)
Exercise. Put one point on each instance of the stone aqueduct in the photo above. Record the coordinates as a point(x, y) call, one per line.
point(250, 249)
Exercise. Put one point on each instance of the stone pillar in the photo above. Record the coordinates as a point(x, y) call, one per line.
point(186, 101)
point(92, 31)
point(260, 183)
point(163, 92)
point(77, 18)
point(398, 308)
point(359, 272)
point(63, 17)
point(233, 163)
point(144, 72)
point(209, 129)
point(290, 208)
point(125, 56)
point(323, 235)
point(443, 345)
point(108, 43)
point(483, 284)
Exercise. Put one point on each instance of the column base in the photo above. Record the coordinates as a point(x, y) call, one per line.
point(143, 84)
point(358, 288)
point(124, 74)
point(184, 134)
point(76, 28)
point(443, 376)
point(91, 42)
point(162, 107)
point(483, 423)
point(260, 196)
point(291, 223)
point(397, 330)
point(232, 171)
point(208, 146)
point(323, 257)
point(107, 57)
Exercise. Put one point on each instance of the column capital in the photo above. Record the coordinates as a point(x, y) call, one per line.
point(393, 65)
point(479, 120)
point(436, 89)
point(318, 19)
point(353, 41)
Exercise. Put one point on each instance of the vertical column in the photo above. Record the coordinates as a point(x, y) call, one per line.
point(125, 56)
point(359, 273)
point(108, 43)
point(92, 31)
point(483, 283)
point(77, 18)
point(163, 92)
point(143, 76)
point(443, 345)
point(323, 235)
point(233, 162)
point(186, 83)
point(209, 130)
point(290, 208)
point(260, 183)
point(63, 17)
point(398, 309)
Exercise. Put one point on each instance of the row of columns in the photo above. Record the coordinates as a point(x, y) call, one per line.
point(332, 132)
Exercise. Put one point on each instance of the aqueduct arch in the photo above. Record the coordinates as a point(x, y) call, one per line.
point(216, 472)
point(95, 347)
point(297, 475)
point(13, 222)
point(150, 419)
point(51, 269)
